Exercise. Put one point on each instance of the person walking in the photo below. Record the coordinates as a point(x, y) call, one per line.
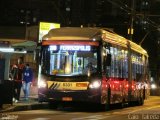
point(27, 80)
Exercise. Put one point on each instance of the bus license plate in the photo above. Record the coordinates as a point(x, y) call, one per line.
point(67, 99)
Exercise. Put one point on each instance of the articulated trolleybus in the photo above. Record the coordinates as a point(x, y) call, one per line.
point(91, 65)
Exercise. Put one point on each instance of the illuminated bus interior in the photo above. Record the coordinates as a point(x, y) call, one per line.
point(119, 63)
point(69, 60)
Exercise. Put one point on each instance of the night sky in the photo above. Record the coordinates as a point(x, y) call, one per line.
point(102, 13)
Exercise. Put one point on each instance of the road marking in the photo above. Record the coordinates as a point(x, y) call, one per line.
point(153, 107)
point(107, 114)
point(146, 108)
point(116, 113)
point(93, 117)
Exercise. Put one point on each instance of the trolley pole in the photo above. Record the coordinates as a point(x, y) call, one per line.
point(130, 32)
point(129, 72)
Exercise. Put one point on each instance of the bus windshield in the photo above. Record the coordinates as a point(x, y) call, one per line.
point(70, 61)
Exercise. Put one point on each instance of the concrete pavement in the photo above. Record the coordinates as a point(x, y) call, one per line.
point(31, 104)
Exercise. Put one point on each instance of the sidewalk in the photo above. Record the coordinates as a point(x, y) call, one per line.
point(31, 104)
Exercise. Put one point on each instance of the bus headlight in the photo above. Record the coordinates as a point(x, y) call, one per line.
point(95, 84)
point(42, 84)
point(153, 86)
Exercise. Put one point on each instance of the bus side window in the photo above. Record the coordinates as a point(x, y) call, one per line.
point(108, 60)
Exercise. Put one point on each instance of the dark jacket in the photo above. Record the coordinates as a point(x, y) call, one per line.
point(14, 73)
point(27, 75)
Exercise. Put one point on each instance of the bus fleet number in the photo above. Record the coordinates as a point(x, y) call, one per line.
point(67, 84)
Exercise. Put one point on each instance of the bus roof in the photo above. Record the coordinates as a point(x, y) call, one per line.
point(72, 33)
point(91, 34)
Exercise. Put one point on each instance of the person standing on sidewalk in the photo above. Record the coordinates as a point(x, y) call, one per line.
point(27, 80)
point(19, 77)
point(16, 76)
point(16, 87)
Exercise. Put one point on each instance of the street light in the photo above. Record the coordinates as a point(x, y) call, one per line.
point(153, 86)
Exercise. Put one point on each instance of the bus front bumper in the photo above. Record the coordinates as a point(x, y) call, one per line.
point(75, 96)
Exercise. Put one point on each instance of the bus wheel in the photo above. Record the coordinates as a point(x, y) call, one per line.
point(144, 93)
point(52, 105)
point(123, 104)
point(106, 107)
point(140, 101)
point(40, 101)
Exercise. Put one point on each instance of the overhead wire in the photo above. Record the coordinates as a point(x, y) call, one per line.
point(128, 9)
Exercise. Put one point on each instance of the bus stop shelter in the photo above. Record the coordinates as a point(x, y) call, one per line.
point(8, 47)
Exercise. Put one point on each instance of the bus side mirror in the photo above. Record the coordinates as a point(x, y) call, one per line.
point(108, 60)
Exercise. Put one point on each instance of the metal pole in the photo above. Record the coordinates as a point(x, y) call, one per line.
point(132, 20)
point(130, 54)
point(7, 65)
point(144, 38)
point(158, 29)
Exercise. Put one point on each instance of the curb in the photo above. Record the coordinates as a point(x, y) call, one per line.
point(25, 107)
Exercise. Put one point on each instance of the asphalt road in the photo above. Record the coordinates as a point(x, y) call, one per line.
point(149, 111)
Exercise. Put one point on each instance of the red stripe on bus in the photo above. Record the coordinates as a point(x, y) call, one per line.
point(69, 43)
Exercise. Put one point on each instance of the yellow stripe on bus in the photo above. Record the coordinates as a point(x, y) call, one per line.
point(67, 85)
point(49, 83)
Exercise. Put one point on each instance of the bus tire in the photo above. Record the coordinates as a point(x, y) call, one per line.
point(123, 103)
point(106, 107)
point(52, 105)
point(141, 101)
point(40, 101)
point(131, 103)
point(144, 93)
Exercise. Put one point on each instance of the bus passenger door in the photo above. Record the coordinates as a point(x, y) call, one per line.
point(105, 80)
